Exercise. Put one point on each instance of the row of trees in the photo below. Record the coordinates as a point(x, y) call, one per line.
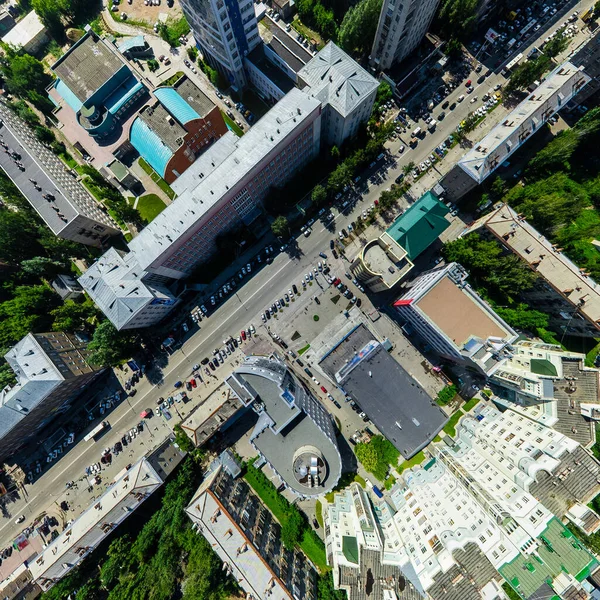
point(377, 456)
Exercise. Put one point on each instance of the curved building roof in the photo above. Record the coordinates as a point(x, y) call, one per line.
point(176, 105)
point(150, 146)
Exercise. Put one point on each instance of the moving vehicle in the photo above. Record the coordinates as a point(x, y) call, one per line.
point(94, 433)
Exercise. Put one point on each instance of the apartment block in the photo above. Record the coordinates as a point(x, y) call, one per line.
point(294, 434)
point(125, 293)
point(247, 537)
point(226, 185)
point(553, 94)
point(474, 515)
point(346, 91)
point(566, 293)
point(51, 371)
point(550, 386)
point(588, 58)
point(225, 32)
point(442, 308)
point(73, 213)
point(401, 27)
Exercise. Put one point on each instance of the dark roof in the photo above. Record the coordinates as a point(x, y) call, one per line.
point(291, 44)
point(387, 394)
point(87, 66)
point(194, 96)
point(277, 76)
point(285, 54)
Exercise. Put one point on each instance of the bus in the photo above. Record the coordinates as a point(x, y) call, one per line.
point(513, 63)
point(94, 433)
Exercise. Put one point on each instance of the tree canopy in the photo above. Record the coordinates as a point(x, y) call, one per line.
point(280, 227)
point(108, 346)
point(359, 26)
point(456, 19)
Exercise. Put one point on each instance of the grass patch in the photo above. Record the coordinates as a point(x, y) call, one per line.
point(389, 482)
point(313, 547)
point(174, 30)
point(417, 459)
point(150, 206)
point(307, 32)
point(171, 80)
point(512, 595)
point(68, 160)
point(345, 480)
point(232, 125)
point(319, 512)
point(471, 404)
point(446, 395)
point(591, 355)
point(436, 439)
point(303, 349)
point(160, 182)
point(450, 427)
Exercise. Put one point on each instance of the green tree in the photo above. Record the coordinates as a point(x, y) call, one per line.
point(18, 237)
point(153, 64)
point(74, 316)
point(183, 440)
point(192, 53)
point(50, 13)
point(318, 195)
point(457, 18)
point(359, 26)
point(367, 455)
point(335, 153)
point(325, 589)
point(524, 317)
point(42, 266)
point(597, 9)
point(291, 529)
point(556, 45)
point(109, 346)
point(24, 73)
point(526, 73)
point(341, 176)
point(407, 168)
point(384, 94)
point(280, 226)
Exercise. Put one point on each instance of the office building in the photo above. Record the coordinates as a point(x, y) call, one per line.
point(133, 487)
point(226, 185)
point(51, 371)
point(442, 308)
point(562, 84)
point(225, 32)
point(172, 132)
point(294, 434)
point(563, 291)
point(247, 537)
point(94, 80)
point(396, 404)
point(29, 34)
point(470, 518)
point(125, 293)
point(385, 261)
point(401, 27)
point(346, 91)
point(551, 386)
point(73, 213)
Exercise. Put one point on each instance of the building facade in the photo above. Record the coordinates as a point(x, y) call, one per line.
point(442, 308)
point(401, 27)
point(51, 371)
point(225, 32)
point(588, 57)
point(247, 537)
point(294, 434)
point(346, 91)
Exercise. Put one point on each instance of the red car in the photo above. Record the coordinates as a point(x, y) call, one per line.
point(193, 382)
point(468, 84)
point(243, 334)
point(336, 281)
point(323, 389)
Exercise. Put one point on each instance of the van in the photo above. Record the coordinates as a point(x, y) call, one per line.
point(417, 132)
point(432, 125)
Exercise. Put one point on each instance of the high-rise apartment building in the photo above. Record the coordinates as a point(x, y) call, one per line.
point(402, 25)
point(51, 371)
point(225, 31)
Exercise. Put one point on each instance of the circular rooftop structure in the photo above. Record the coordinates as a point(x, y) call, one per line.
point(309, 467)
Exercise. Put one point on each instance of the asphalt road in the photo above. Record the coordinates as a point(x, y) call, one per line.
point(240, 309)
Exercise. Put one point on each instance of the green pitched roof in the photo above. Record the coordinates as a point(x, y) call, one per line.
point(420, 225)
point(350, 548)
point(541, 366)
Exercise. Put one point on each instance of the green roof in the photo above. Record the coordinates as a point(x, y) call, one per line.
point(559, 551)
point(350, 549)
point(541, 366)
point(420, 225)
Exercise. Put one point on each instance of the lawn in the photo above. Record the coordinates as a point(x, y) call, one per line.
point(314, 548)
point(450, 427)
point(417, 459)
point(150, 206)
point(303, 349)
point(232, 125)
point(171, 80)
point(307, 32)
point(160, 182)
point(472, 403)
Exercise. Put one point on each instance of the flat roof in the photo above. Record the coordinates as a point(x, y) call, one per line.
point(398, 406)
point(25, 30)
point(87, 66)
point(567, 279)
point(285, 54)
point(291, 44)
point(456, 313)
point(274, 74)
point(194, 96)
point(550, 96)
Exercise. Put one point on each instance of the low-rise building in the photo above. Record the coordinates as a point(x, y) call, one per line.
point(66, 287)
point(551, 386)
point(565, 292)
point(172, 132)
point(385, 261)
point(94, 79)
point(562, 84)
point(294, 433)
point(442, 308)
point(72, 213)
point(124, 293)
point(135, 47)
point(51, 371)
point(396, 404)
point(247, 537)
point(346, 91)
point(29, 34)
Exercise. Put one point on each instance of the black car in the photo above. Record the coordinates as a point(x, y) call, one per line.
point(295, 288)
point(132, 393)
point(400, 178)
point(211, 365)
point(335, 255)
point(322, 255)
point(331, 244)
point(188, 385)
point(204, 361)
point(446, 104)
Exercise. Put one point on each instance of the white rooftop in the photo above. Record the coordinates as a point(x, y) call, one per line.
point(220, 170)
point(25, 30)
point(337, 79)
point(548, 98)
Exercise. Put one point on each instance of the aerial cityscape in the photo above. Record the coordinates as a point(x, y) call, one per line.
point(300, 300)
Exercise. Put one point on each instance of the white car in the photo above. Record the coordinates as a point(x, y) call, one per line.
point(20, 519)
point(460, 98)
